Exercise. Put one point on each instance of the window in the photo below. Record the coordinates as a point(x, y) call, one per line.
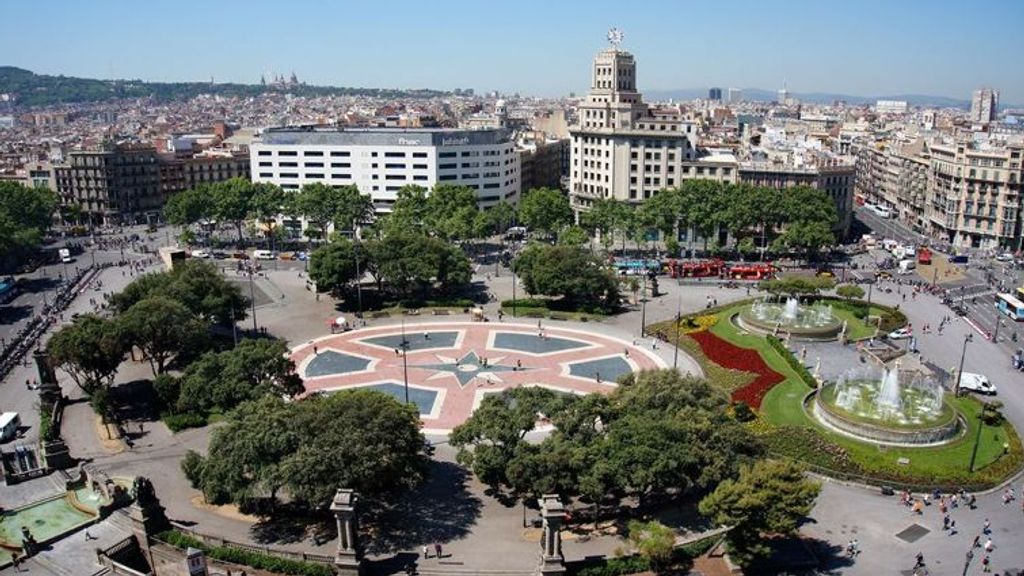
point(289, 175)
point(287, 153)
point(341, 165)
point(394, 166)
point(419, 154)
point(266, 174)
point(341, 154)
point(420, 177)
point(446, 155)
point(289, 164)
point(419, 166)
point(312, 153)
point(265, 153)
point(314, 164)
point(446, 177)
point(266, 164)
point(315, 175)
point(341, 176)
point(491, 185)
point(447, 166)
point(394, 154)
point(395, 177)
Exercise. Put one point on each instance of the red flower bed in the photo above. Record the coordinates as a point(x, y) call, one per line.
point(728, 355)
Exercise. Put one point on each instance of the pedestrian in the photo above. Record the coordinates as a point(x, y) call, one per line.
point(985, 564)
point(952, 528)
point(437, 549)
point(986, 528)
point(315, 351)
point(426, 552)
point(977, 542)
point(16, 561)
point(919, 560)
point(519, 364)
point(945, 522)
point(88, 536)
point(988, 545)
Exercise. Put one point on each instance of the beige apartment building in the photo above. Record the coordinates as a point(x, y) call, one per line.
point(957, 192)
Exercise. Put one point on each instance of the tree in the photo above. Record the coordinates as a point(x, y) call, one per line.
point(161, 328)
point(25, 216)
point(808, 237)
point(343, 206)
point(196, 284)
point(573, 236)
point(251, 370)
point(796, 286)
point(570, 272)
point(409, 213)
point(190, 206)
point(769, 497)
point(451, 211)
point(606, 217)
point(90, 350)
point(488, 441)
point(653, 540)
point(333, 266)
point(411, 263)
point(268, 201)
point(850, 291)
point(545, 210)
point(232, 201)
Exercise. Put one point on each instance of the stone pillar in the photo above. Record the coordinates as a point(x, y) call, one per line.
point(49, 390)
point(348, 559)
point(552, 562)
point(195, 562)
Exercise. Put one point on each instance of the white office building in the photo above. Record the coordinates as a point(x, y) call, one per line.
point(380, 161)
point(984, 105)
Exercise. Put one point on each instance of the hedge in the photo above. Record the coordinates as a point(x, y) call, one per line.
point(179, 422)
point(635, 564)
point(247, 558)
point(525, 303)
point(793, 362)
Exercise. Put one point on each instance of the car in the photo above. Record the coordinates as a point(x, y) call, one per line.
point(977, 383)
point(263, 255)
point(200, 254)
point(1004, 257)
point(901, 334)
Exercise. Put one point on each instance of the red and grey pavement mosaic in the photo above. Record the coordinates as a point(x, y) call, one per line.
point(452, 366)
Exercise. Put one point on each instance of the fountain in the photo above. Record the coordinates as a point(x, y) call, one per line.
point(889, 406)
point(801, 321)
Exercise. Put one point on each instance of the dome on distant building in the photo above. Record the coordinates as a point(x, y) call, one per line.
point(500, 107)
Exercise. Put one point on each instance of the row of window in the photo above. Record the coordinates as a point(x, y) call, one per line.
point(338, 153)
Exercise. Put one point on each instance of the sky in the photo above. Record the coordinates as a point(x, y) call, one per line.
point(536, 47)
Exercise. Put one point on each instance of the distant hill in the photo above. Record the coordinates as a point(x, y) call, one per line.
point(31, 89)
point(761, 95)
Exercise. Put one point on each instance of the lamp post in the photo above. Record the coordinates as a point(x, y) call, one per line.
point(513, 292)
point(234, 324)
point(405, 363)
point(960, 371)
point(999, 322)
point(977, 436)
point(679, 311)
point(359, 283)
point(643, 308)
point(252, 297)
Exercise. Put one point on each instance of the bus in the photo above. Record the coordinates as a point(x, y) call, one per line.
point(1020, 293)
point(1011, 306)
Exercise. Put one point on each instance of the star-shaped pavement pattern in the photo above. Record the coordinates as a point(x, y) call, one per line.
point(467, 368)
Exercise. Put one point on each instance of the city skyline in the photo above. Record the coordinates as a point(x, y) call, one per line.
point(540, 49)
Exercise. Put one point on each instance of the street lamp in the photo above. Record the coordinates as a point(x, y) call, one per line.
point(999, 322)
point(513, 292)
point(960, 372)
point(643, 308)
point(359, 282)
point(977, 436)
point(679, 311)
point(405, 363)
point(252, 296)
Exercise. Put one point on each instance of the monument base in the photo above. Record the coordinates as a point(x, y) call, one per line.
point(551, 566)
point(347, 565)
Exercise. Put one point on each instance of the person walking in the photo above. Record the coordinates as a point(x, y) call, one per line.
point(989, 546)
point(986, 528)
point(426, 552)
point(985, 564)
point(437, 549)
point(919, 560)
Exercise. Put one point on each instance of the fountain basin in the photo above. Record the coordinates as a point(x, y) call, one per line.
point(800, 321)
point(916, 422)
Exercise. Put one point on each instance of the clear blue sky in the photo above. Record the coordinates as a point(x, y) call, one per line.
point(864, 47)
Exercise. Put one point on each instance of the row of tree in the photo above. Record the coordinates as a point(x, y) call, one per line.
point(162, 314)
point(361, 439)
point(658, 434)
point(25, 216)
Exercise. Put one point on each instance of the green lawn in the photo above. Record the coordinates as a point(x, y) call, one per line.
point(857, 329)
point(948, 464)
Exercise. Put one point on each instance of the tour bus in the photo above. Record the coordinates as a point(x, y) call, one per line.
point(1008, 304)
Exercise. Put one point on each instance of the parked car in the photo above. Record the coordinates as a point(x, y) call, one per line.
point(977, 383)
point(200, 254)
point(901, 334)
point(263, 255)
point(1005, 257)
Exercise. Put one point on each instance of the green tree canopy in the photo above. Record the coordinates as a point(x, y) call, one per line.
point(451, 211)
point(162, 328)
point(333, 266)
point(361, 439)
point(190, 206)
point(412, 264)
point(770, 497)
point(342, 206)
point(571, 272)
point(196, 284)
point(90, 350)
point(220, 381)
point(545, 210)
point(850, 291)
point(573, 236)
point(25, 216)
point(797, 285)
point(232, 201)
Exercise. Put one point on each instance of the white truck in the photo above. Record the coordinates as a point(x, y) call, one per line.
point(65, 255)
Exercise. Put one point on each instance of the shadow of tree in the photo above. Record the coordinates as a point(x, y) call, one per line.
point(440, 510)
point(289, 526)
point(136, 400)
point(799, 555)
point(12, 314)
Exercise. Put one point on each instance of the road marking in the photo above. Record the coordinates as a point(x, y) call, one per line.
point(976, 327)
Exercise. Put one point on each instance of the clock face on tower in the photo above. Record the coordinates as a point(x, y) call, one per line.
point(615, 37)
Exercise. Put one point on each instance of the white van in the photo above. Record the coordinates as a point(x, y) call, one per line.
point(977, 383)
point(9, 423)
point(907, 266)
point(263, 255)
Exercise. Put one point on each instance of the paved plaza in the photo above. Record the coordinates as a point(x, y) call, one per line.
point(452, 366)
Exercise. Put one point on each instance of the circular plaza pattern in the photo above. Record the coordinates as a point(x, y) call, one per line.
point(452, 366)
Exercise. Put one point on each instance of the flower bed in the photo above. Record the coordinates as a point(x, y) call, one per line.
point(729, 355)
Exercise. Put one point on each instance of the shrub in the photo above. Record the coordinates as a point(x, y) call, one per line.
point(247, 558)
point(793, 362)
point(741, 412)
point(192, 465)
point(179, 422)
point(525, 303)
point(46, 431)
